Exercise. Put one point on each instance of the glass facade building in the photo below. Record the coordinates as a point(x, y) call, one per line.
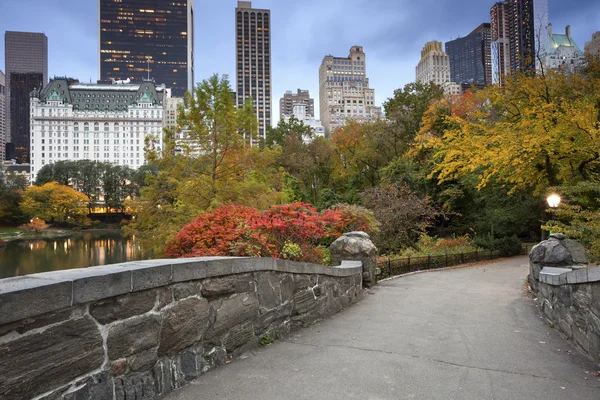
point(24, 53)
point(253, 62)
point(148, 39)
point(21, 86)
point(471, 57)
point(522, 35)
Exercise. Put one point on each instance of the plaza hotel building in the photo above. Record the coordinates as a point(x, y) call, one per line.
point(98, 122)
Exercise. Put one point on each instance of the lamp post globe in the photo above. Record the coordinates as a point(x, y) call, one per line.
point(553, 200)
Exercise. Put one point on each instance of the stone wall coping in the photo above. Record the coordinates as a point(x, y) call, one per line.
point(568, 276)
point(33, 295)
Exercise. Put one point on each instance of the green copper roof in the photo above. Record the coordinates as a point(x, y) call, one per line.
point(555, 41)
point(103, 97)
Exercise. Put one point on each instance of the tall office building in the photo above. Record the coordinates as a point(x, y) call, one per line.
point(434, 66)
point(253, 62)
point(344, 91)
point(290, 99)
point(593, 46)
point(21, 85)
point(522, 35)
point(470, 57)
point(500, 42)
point(26, 54)
point(2, 116)
point(148, 39)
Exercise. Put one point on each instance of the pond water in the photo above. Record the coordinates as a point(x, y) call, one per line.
point(26, 257)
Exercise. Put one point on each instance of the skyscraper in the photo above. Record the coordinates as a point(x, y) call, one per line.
point(593, 46)
point(500, 42)
point(26, 54)
point(522, 35)
point(434, 66)
point(253, 62)
point(470, 57)
point(148, 39)
point(2, 116)
point(344, 91)
point(290, 99)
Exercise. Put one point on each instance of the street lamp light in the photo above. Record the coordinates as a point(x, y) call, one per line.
point(553, 200)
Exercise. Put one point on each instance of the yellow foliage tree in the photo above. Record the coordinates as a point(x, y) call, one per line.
point(53, 202)
point(532, 133)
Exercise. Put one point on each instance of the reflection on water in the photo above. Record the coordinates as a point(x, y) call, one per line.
point(87, 249)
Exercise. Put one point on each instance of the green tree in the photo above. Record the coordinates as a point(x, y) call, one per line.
point(11, 194)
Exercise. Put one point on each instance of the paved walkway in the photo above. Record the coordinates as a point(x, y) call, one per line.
point(459, 334)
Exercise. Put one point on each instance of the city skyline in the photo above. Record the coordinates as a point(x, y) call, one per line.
point(303, 33)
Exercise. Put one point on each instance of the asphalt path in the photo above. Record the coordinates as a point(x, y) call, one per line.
point(469, 333)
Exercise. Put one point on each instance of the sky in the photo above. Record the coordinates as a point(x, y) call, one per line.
point(392, 33)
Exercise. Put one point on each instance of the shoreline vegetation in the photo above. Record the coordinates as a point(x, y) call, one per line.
point(10, 234)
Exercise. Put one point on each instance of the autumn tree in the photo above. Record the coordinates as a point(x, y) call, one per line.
point(204, 164)
point(11, 194)
point(53, 202)
point(532, 133)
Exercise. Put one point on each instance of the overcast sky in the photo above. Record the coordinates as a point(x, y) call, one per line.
point(392, 33)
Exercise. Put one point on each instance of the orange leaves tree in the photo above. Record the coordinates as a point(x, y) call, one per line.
point(54, 203)
point(245, 231)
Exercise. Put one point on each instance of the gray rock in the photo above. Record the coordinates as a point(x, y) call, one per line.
point(287, 287)
point(73, 349)
point(220, 287)
point(51, 318)
point(165, 376)
point(184, 324)
point(143, 361)
point(215, 357)
point(133, 336)
point(135, 387)
point(356, 246)
point(188, 289)
point(536, 255)
point(98, 387)
point(192, 362)
point(123, 307)
point(576, 250)
point(239, 336)
point(558, 236)
point(304, 302)
point(269, 294)
point(231, 312)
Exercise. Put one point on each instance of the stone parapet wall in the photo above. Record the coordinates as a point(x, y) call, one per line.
point(136, 331)
point(567, 291)
point(570, 300)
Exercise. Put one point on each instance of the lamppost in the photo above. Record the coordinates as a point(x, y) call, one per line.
point(553, 201)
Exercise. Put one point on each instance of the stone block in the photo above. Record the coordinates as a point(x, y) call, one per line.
point(184, 324)
point(594, 274)
point(269, 292)
point(304, 282)
point(304, 302)
point(576, 250)
point(135, 387)
point(239, 336)
point(223, 267)
point(165, 297)
point(187, 289)
point(582, 298)
point(595, 294)
point(29, 296)
point(166, 376)
point(273, 318)
point(98, 387)
point(287, 287)
point(123, 307)
point(149, 275)
point(215, 356)
point(571, 278)
point(51, 318)
point(133, 336)
point(581, 340)
point(581, 275)
point(228, 313)
point(225, 286)
point(143, 361)
point(97, 283)
point(73, 349)
point(191, 363)
point(188, 269)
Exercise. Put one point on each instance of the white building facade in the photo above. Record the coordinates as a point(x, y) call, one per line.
point(300, 112)
point(344, 91)
point(434, 66)
point(105, 123)
point(561, 52)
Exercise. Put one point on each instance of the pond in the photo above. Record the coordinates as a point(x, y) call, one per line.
point(24, 257)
